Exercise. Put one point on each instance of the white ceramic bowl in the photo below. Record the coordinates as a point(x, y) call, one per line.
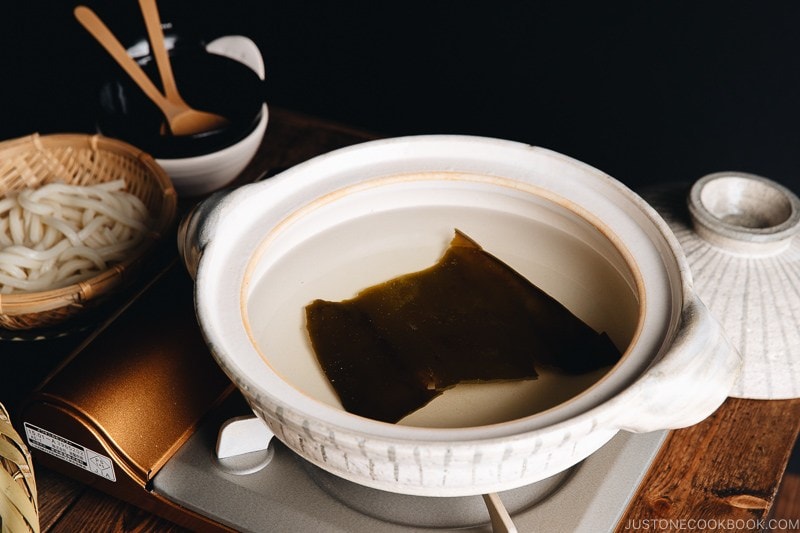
point(199, 175)
point(343, 221)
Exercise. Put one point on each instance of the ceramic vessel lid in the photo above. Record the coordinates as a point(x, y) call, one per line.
point(739, 234)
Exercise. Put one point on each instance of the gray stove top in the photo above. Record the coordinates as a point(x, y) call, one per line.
point(282, 492)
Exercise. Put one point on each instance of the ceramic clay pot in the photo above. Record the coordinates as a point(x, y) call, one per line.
point(360, 215)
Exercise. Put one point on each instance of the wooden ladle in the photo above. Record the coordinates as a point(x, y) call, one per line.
point(181, 118)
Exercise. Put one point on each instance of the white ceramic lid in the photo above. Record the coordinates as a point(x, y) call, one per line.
point(739, 233)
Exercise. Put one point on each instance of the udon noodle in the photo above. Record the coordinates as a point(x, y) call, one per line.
point(60, 234)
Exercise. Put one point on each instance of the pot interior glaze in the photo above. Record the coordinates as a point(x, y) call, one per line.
point(372, 231)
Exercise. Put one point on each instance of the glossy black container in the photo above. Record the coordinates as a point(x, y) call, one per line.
point(206, 81)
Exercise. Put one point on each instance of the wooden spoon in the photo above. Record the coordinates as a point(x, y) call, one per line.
point(182, 119)
point(152, 21)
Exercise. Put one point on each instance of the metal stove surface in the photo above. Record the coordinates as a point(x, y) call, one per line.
point(275, 490)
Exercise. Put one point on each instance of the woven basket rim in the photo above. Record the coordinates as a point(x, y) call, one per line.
point(19, 303)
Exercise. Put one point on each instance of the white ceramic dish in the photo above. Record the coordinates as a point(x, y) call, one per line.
point(340, 222)
point(196, 176)
point(740, 235)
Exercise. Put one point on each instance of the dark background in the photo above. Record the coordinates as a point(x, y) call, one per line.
point(646, 91)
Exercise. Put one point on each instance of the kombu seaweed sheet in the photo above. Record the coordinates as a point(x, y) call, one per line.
point(468, 318)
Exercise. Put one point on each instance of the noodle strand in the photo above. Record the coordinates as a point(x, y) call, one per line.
point(60, 234)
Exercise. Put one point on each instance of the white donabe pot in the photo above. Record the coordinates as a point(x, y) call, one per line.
point(360, 215)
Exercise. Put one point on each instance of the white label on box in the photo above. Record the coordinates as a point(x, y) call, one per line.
point(68, 451)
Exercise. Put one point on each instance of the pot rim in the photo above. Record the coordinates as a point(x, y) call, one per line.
point(315, 416)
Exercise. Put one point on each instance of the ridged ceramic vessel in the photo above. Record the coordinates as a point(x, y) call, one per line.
point(739, 234)
point(347, 219)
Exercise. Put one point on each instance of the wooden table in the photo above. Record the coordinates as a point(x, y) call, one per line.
point(721, 474)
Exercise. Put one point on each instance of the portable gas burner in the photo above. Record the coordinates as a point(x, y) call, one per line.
point(137, 411)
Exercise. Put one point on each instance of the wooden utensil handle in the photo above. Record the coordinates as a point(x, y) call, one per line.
point(107, 40)
point(152, 21)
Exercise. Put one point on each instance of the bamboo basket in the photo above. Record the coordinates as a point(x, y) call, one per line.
point(82, 159)
point(19, 509)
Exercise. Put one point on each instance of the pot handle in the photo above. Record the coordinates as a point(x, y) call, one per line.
point(197, 228)
point(690, 381)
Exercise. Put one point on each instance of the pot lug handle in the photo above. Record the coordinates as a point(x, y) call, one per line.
point(690, 381)
point(197, 228)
